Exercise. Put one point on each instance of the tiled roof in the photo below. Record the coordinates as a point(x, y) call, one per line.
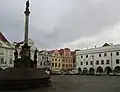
point(51, 51)
point(2, 37)
point(100, 49)
point(61, 51)
point(66, 49)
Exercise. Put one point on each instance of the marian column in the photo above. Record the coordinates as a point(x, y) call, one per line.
point(26, 49)
point(27, 12)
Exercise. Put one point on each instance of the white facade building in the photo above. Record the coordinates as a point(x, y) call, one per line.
point(44, 60)
point(104, 59)
point(6, 55)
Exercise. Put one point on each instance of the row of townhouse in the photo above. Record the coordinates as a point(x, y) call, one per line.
point(105, 59)
point(56, 60)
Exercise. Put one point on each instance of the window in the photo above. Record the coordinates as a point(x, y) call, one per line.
point(81, 63)
point(1, 60)
point(53, 64)
point(11, 53)
point(86, 56)
point(55, 59)
point(41, 63)
point(66, 65)
point(10, 61)
point(48, 63)
point(47, 58)
point(0, 44)
point(91, 62)
point(1, 53)
point(59, 64)
point(111, 54)
point(117, 53)
point(99, 55)
point(86, 62)
point(63, 60)
point(42, 57)
point(63, 65)
point(105, 54)
point(97, 62)
point(81, 56)
point(108, 62)
point(59, 59)
point(102, 62)
point(44, 63)
point(117, 61)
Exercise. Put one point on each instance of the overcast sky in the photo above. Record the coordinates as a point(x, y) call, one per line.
point(63, 23)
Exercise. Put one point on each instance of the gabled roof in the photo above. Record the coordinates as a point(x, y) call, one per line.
point(61, 51)
point(2, 38)
point(106, 44)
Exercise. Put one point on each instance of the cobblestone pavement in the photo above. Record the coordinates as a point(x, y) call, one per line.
point(75, 83)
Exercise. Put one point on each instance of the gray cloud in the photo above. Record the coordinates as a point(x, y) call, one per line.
point(57, 23)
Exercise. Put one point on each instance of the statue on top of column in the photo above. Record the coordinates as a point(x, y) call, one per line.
point(27, 5)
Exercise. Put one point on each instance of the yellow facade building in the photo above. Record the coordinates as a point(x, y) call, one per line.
point(56, 60)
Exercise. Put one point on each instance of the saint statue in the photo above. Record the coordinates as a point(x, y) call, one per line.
point(27, 4)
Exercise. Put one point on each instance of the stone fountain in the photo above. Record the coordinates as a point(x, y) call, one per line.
point(24, 74)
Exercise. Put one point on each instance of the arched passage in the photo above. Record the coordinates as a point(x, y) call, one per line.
point(91, 71)
point(79, 70)
point(85, 71)
point(108, 70)
point(99, 69)
point(117, 69)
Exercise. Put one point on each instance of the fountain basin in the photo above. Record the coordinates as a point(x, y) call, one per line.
point(23, 78)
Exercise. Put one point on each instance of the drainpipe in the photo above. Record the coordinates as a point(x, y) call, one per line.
point(111, 62)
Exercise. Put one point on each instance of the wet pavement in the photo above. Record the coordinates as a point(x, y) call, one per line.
point(76, 83)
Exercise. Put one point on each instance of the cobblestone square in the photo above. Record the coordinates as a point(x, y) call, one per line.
point(76, 83)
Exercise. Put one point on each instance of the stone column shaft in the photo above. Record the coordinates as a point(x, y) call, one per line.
point(26, 28)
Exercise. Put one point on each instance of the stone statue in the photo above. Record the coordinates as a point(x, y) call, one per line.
point(35, 58)
point(27, 12)
point(15, 57)
point(35, 55)
point(16, 54)
point(27, 5)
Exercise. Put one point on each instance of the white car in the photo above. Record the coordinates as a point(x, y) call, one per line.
point(48, 72)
